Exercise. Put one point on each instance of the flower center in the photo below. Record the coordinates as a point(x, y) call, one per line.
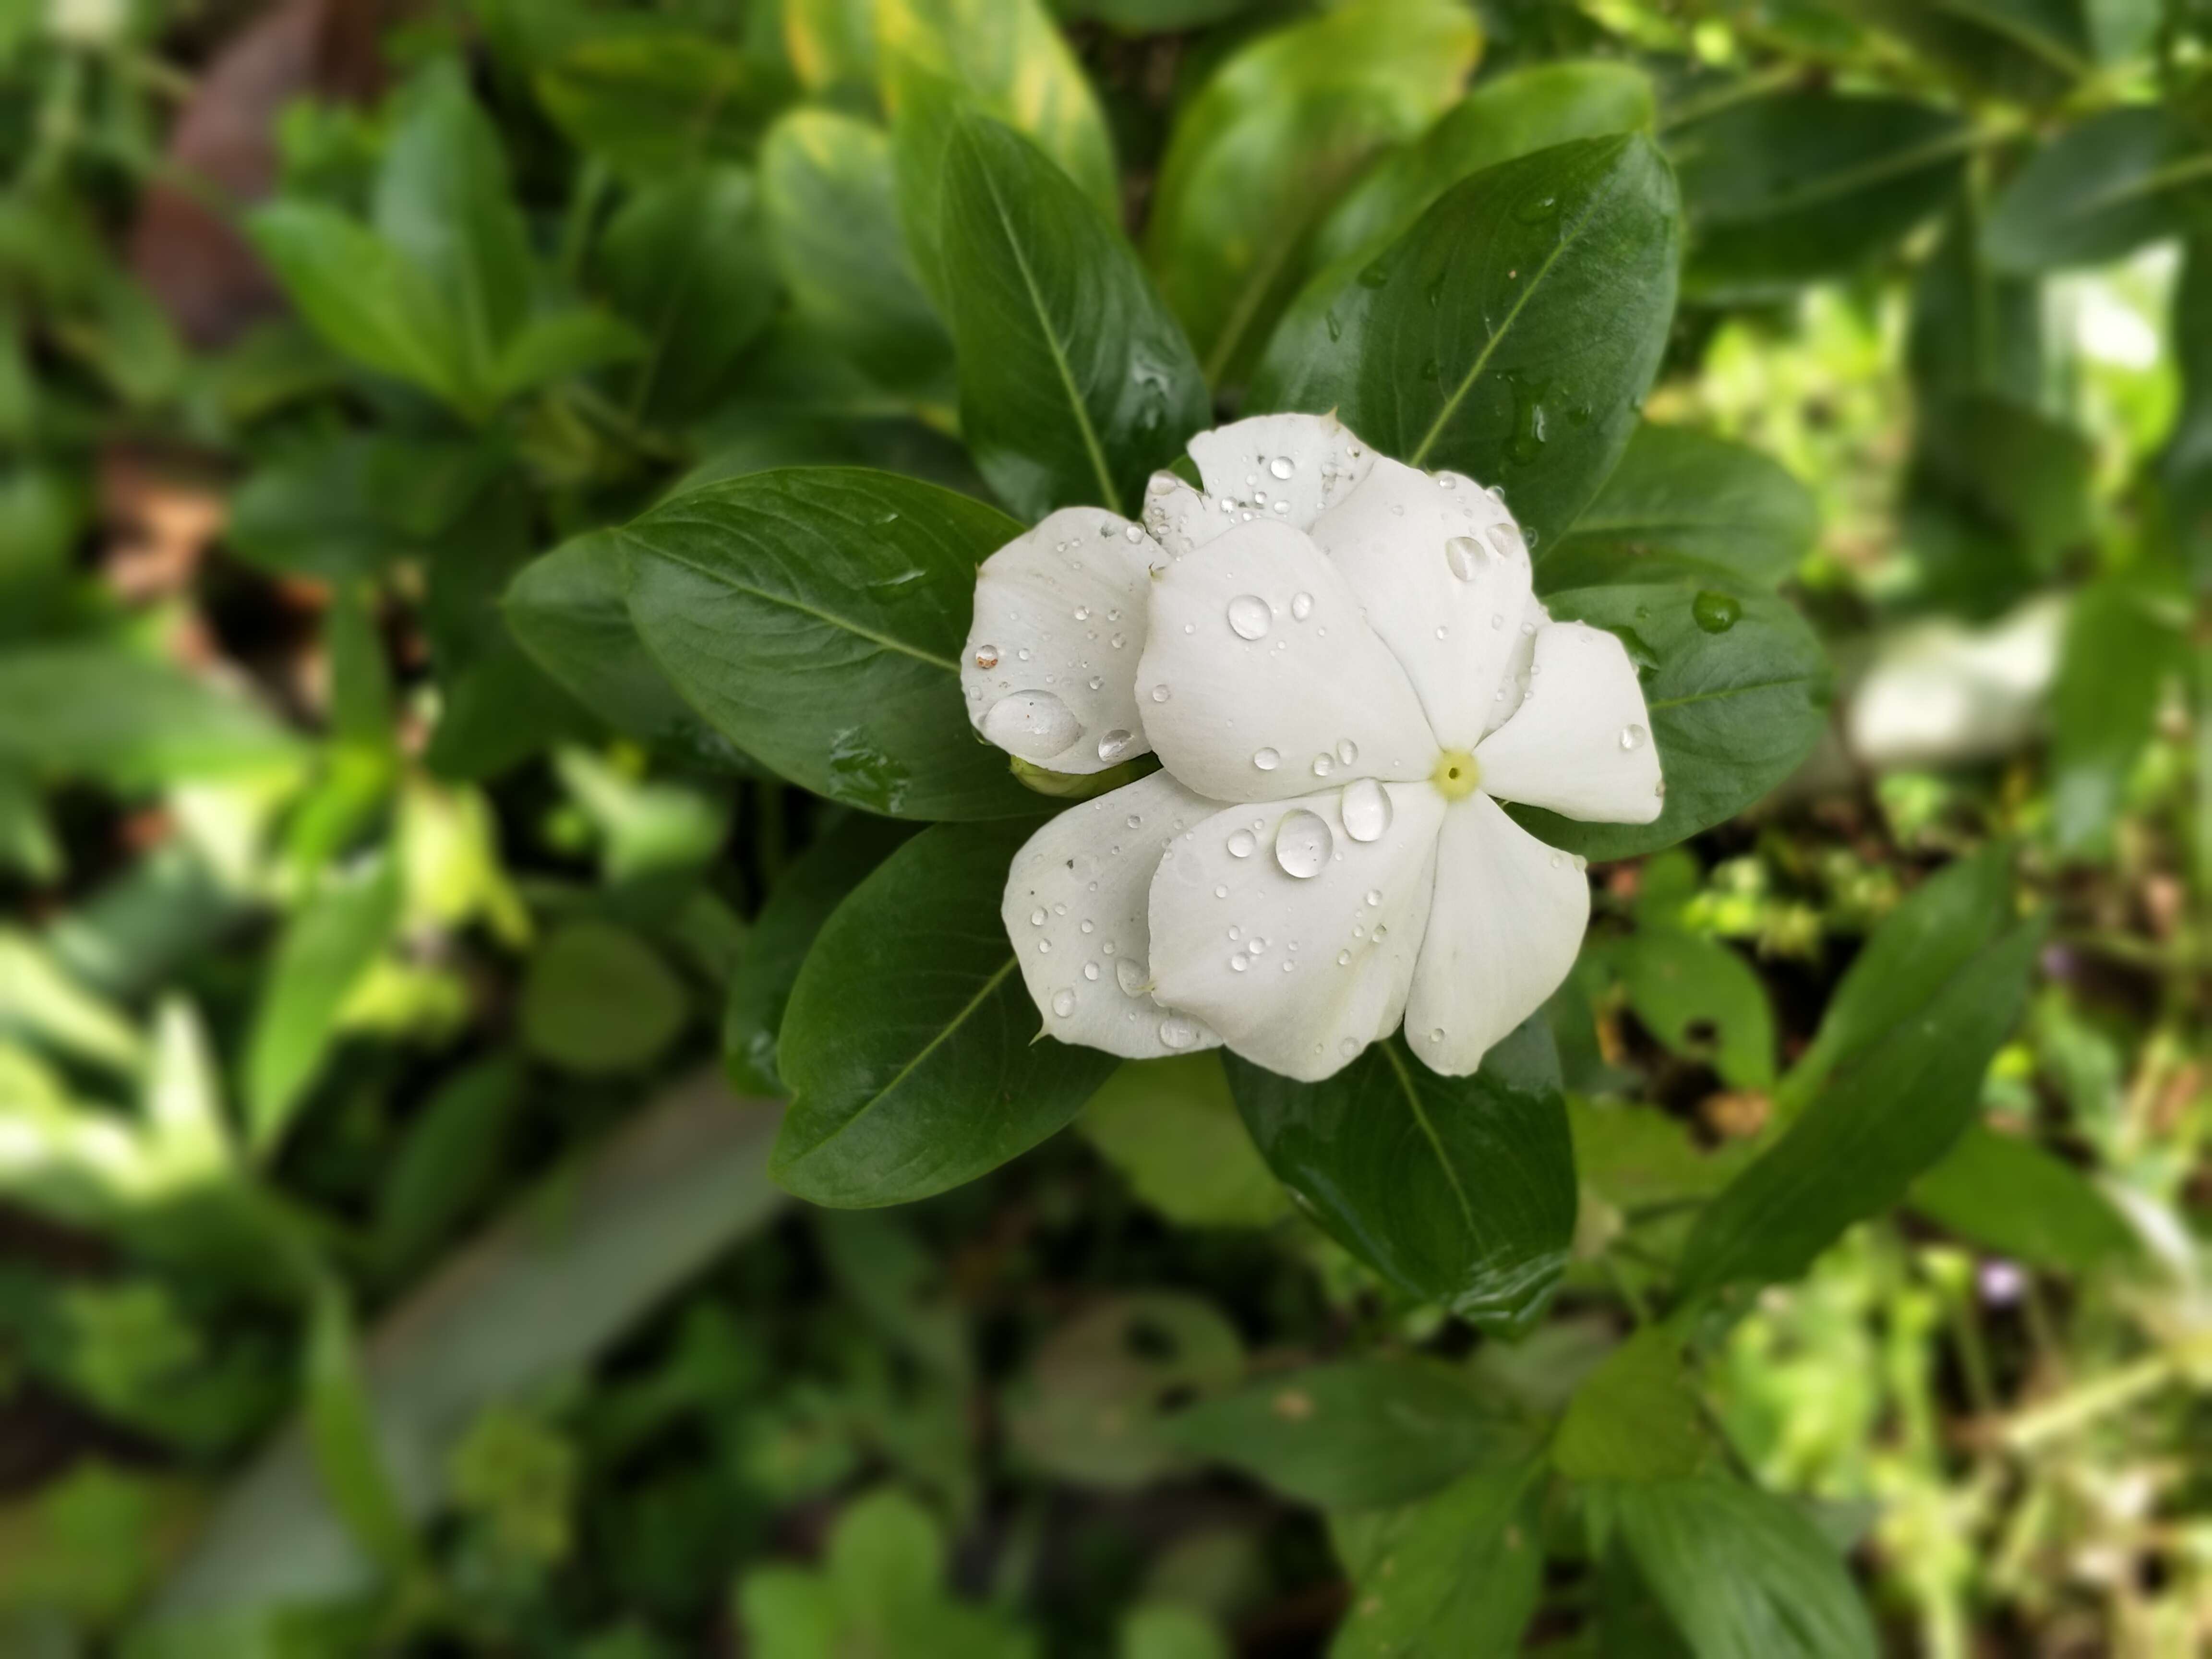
point(1456, 777)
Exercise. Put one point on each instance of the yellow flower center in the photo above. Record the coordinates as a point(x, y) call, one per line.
point(1456, 777)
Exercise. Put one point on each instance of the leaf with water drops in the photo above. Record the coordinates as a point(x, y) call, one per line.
point(1737, 686)
point(910, 1044)
point(1509, 335)
point(816, 618)
point(1075, 382)
point(1459, 1190)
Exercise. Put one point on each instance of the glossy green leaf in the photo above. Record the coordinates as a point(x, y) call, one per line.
point(1458, 1573)
point(1170, 1128)
point(598, 999)
point(351, 504)
point(1792, 188)
point(2102, 190)
point(2112, 671)
point(1887, 1117)
point(1688, 494)
point(1457, 1190)
point(2004, 1193)
point(1743, 1575)
point(826, 184)
point(1075, 383)
point(329, 943)
point(1635, 1418)
point(102, 712)
point(1361, 1435)
point(816, 618)
point(653, 102)
point(1511, 335)
point(1509, 115)
point(686, 261)
point(1736, 684)
point(947, 1078)
point(342, 1436)
point(1267, 144)
point(1008, 59)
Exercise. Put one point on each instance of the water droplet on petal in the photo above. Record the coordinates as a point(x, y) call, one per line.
point(987, 656)
point(1343, 958)
point(1238, 964)
point(1091, 970)
point(1177, 1032)
point(1507, 539)
point(1365, 809)
point(1082, 613)
point(1249, 618)
point(1348, 1046)
point(1115, 744)
point(1266, 760)
point(1301, 605)
point(1036, 918)
point(1220, 892)
point(1133, 535)
point(1282, 466)
point(1035, 725)
point(1323, 765)
point(1159, 693)
point(1465, 557)
point(1633, 736)
point(1241, 843)
point(1063, 1003)
point(1346, 751)
point(1129, 975)
point(1374, 897)
point(1258, 947)
point(1436, 1034)
point(1302, 843)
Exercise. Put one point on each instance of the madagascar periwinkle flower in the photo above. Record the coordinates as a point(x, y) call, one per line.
point(1343, 669)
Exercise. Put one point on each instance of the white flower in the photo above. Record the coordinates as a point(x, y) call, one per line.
point(1341, 667)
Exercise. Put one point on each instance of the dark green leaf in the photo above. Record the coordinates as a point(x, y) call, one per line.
point(342, 1436)
point(1996, 493)
point(452, 1154)
point(2186, 468)
point(654, 102)
point(1743, 1575)
point(561, 343)
point(827, 185)
point(816, 618)
point(2112, 670)
point(1075, 383)
point(1701, 1000)
point(1736, 684)
point(687, 261)
point(1170, 1128)
point(598, 999)
point(1687, 494)
point(1973, 328)
point(2101, 191)
point(2022, 49)
point(2006, 1193)
point(1364, 1434)
point(1458, 1573)
point(349, 504)
point(1887, 1117)
point(910, 1045)
point(1263, 151)
point(1635, 1418)
point(1511, 335)
point(1458, 1190)
point(102, 712)
point(1513, 114)
point(1795, 186)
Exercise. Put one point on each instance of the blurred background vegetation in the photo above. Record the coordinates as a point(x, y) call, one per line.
point(388, 1032)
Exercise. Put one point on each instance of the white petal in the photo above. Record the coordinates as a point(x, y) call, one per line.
point(1180, 518)
point(1513, 690)
point(1060, 623)
point(1326, 958)
point(1075, 906)
point(1261, 678)
point(1287, 467)
point(1503, 928)
point(1445, 577)
point(1581, 742)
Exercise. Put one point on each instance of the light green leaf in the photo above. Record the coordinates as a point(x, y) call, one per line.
point(2004, 1193)
point(598, 999)
point(656, 101)
point(2112, 670)
point(2100, 189)
point(1163, 1631)
point(1267, 144)
point(561, 343)
point(1635, 1418)
point(1075, 383)
point(1170, 1128)
point(1700, 998)
point(1458, 1573)
point(948, 1076)
point(342, 1436)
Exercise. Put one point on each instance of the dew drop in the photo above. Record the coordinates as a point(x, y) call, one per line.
point(987, 656)
point(1115, 744)
point(1021, 655)
point(1091, 970)
point(1238, 964)
point(1348, 1047)
point(1241, 843)
point(1343, 958)
point(1082, 613)
point(1464, 556)
point(1302, 844)
point(1159, 693)
point(1036, 918)
point(1374, 895)
point(1118, 641)
point(1436, 1034)
point(1282, 466)
point(1220, 892)
point(1248, 617)
point(1035, 725)
point(1715, 612)
point(1507, 539)
point(1301, 605)
point(1323, 765)
point(1266, 760)
point(1133, 535)
point(1177, 1032)
point(1258, 947)
point(1130, 976)
point(1346, 751)
point(1633, 737)
point(1044, 947)
point(1063, 1003)
point(1365, 809)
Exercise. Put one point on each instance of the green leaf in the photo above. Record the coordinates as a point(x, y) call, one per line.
point(1688, 494)
point(599, 999)
point(450, 1157)
point(2186, 468)
point(1007, 59)
point(830, 43)
point(1457, 1190)
point(1512, 114)
point(2006, 1193)
point(348, 504)
point(911, 1046)
point(1361, 1435)
point(570, 610)
point(1792, 188)
point(2026, 49)
point(1888, 1116)
point(362, 296)
point(2112, 670)
point(2102, 190)
point(1973, 329)
point(1743, 1575)
point(1170, 1128)
point(1701, 999)
point(1635, 1418)
point(816, 618)
point(1075, 383)
point(443, 203)
point(342, 1436)
point(1998, 493)
point(1458, 1573)
point(653, 103)
point(1164, 1631)
point(102, 712)
point(328, 945)
point(826, 184)
point(1266, 147)
point(563, 344)
point(1736, 684)
point(1511, 335)
point(686, 260)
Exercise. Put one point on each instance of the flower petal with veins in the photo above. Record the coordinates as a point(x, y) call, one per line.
point(1581, 742)
point(1289, 468)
